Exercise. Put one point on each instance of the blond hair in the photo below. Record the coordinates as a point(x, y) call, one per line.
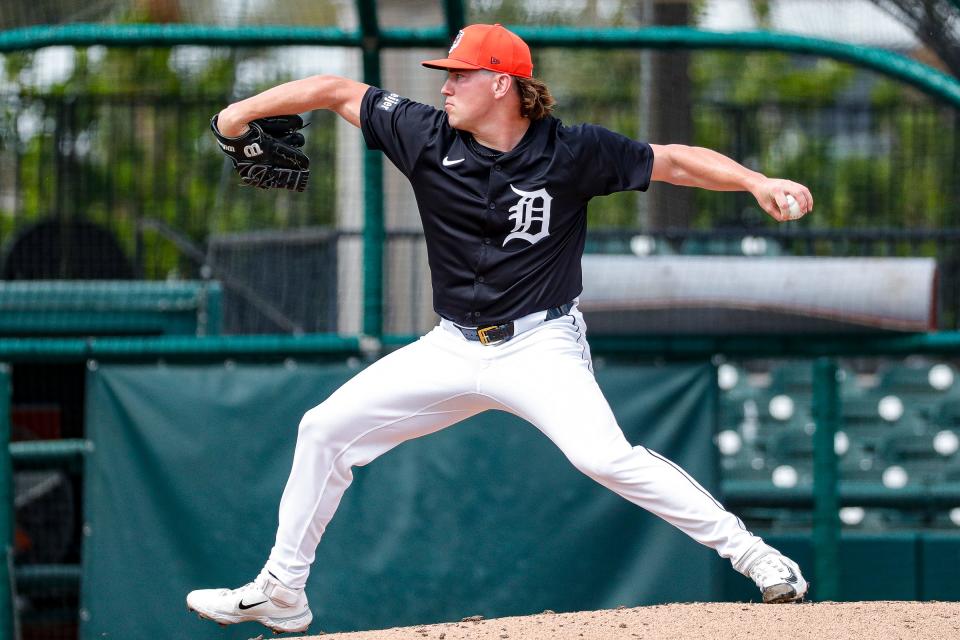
point(536, 103)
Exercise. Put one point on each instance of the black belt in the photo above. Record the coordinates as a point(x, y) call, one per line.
point(498, 333)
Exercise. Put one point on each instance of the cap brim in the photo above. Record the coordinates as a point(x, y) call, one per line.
point(449, 63)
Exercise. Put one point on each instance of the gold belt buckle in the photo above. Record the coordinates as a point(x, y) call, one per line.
point(482, 334)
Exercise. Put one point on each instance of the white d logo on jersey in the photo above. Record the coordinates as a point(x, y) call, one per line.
point(525, 215)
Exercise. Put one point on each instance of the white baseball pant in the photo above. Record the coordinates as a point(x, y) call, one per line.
point(544, 375)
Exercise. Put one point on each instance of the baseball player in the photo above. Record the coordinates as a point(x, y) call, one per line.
point(502, 187)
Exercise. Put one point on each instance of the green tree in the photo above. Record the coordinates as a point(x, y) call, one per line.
point(126, 137)
point(936, 23)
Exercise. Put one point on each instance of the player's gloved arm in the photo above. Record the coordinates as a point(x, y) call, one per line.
point(707, 169)
point(267, 154)
point(340, 95)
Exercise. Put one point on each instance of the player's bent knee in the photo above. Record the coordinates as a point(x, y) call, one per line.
point(317, 424)
point(309, 420)
point(597, 468)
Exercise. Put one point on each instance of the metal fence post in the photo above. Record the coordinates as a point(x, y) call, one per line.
point(455, 16)
point(373, 221)
point(6, 509)
point(826, 522)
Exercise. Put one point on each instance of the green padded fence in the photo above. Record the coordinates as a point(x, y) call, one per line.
point(110, 307)
point(888, 566)
point(278, 346)
point(486, 517)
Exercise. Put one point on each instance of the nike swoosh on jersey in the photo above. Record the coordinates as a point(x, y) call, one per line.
point(449, 163)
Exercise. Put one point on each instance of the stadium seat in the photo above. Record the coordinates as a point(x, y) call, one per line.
point(789, 520)
point(792, 474)
point(948, 519)
point(748, 464)
point(733, 246)
point(905, 446)
point(862, 420)
point(796, 377)
point(638, 245)
point(733, 382)
point(951, 472)
point(730, 413)
point(777, 519)
point(781, 408)
point(947, 414)
point(861, 466)
point(924, 387)
point(792, 446)
point(852, 519)
point(916, 454)
point(880, 519)
point(873, 439)
point(933, 377)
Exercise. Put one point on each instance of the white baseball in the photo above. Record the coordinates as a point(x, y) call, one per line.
point(793, 208)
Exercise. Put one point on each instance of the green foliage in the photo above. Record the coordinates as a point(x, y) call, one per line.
point(754, 78)
point(549, 12)
point(886, 162)
point(15, 63)
point(584, 96)
point(761, 9)
point(125, 136)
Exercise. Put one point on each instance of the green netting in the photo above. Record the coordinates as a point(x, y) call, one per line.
point(118, 137)
point(20, 13)
point(103, 125)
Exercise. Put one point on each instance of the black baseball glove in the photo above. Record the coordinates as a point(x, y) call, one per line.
point(268, 155)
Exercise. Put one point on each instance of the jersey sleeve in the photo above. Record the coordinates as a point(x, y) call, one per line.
point(611, 162)
point(398, 126)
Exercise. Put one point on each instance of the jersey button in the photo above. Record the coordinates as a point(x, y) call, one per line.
point(486, 241)
point(476, 314)
point(496, 167)
point(492, 206)
point(480, 279)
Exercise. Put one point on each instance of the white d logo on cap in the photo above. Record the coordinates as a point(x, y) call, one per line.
point(456, 42)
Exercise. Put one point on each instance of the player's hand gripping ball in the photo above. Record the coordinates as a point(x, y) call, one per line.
point(792, 212)
point(268, 155)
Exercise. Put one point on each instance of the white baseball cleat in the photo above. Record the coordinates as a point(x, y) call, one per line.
point(265, 600)
point(778, 577)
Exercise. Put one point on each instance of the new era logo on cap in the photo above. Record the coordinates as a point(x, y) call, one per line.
point(487, 46)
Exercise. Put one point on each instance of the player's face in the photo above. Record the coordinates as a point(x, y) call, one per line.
point(468, 96)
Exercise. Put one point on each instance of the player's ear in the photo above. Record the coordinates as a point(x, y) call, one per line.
point(502, 84)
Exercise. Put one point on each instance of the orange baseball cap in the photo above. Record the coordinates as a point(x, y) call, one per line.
point(487, 46)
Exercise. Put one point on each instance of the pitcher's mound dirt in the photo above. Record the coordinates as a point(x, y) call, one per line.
point(706, 621)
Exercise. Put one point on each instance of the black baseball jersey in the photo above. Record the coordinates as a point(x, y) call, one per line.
point(504, 232)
